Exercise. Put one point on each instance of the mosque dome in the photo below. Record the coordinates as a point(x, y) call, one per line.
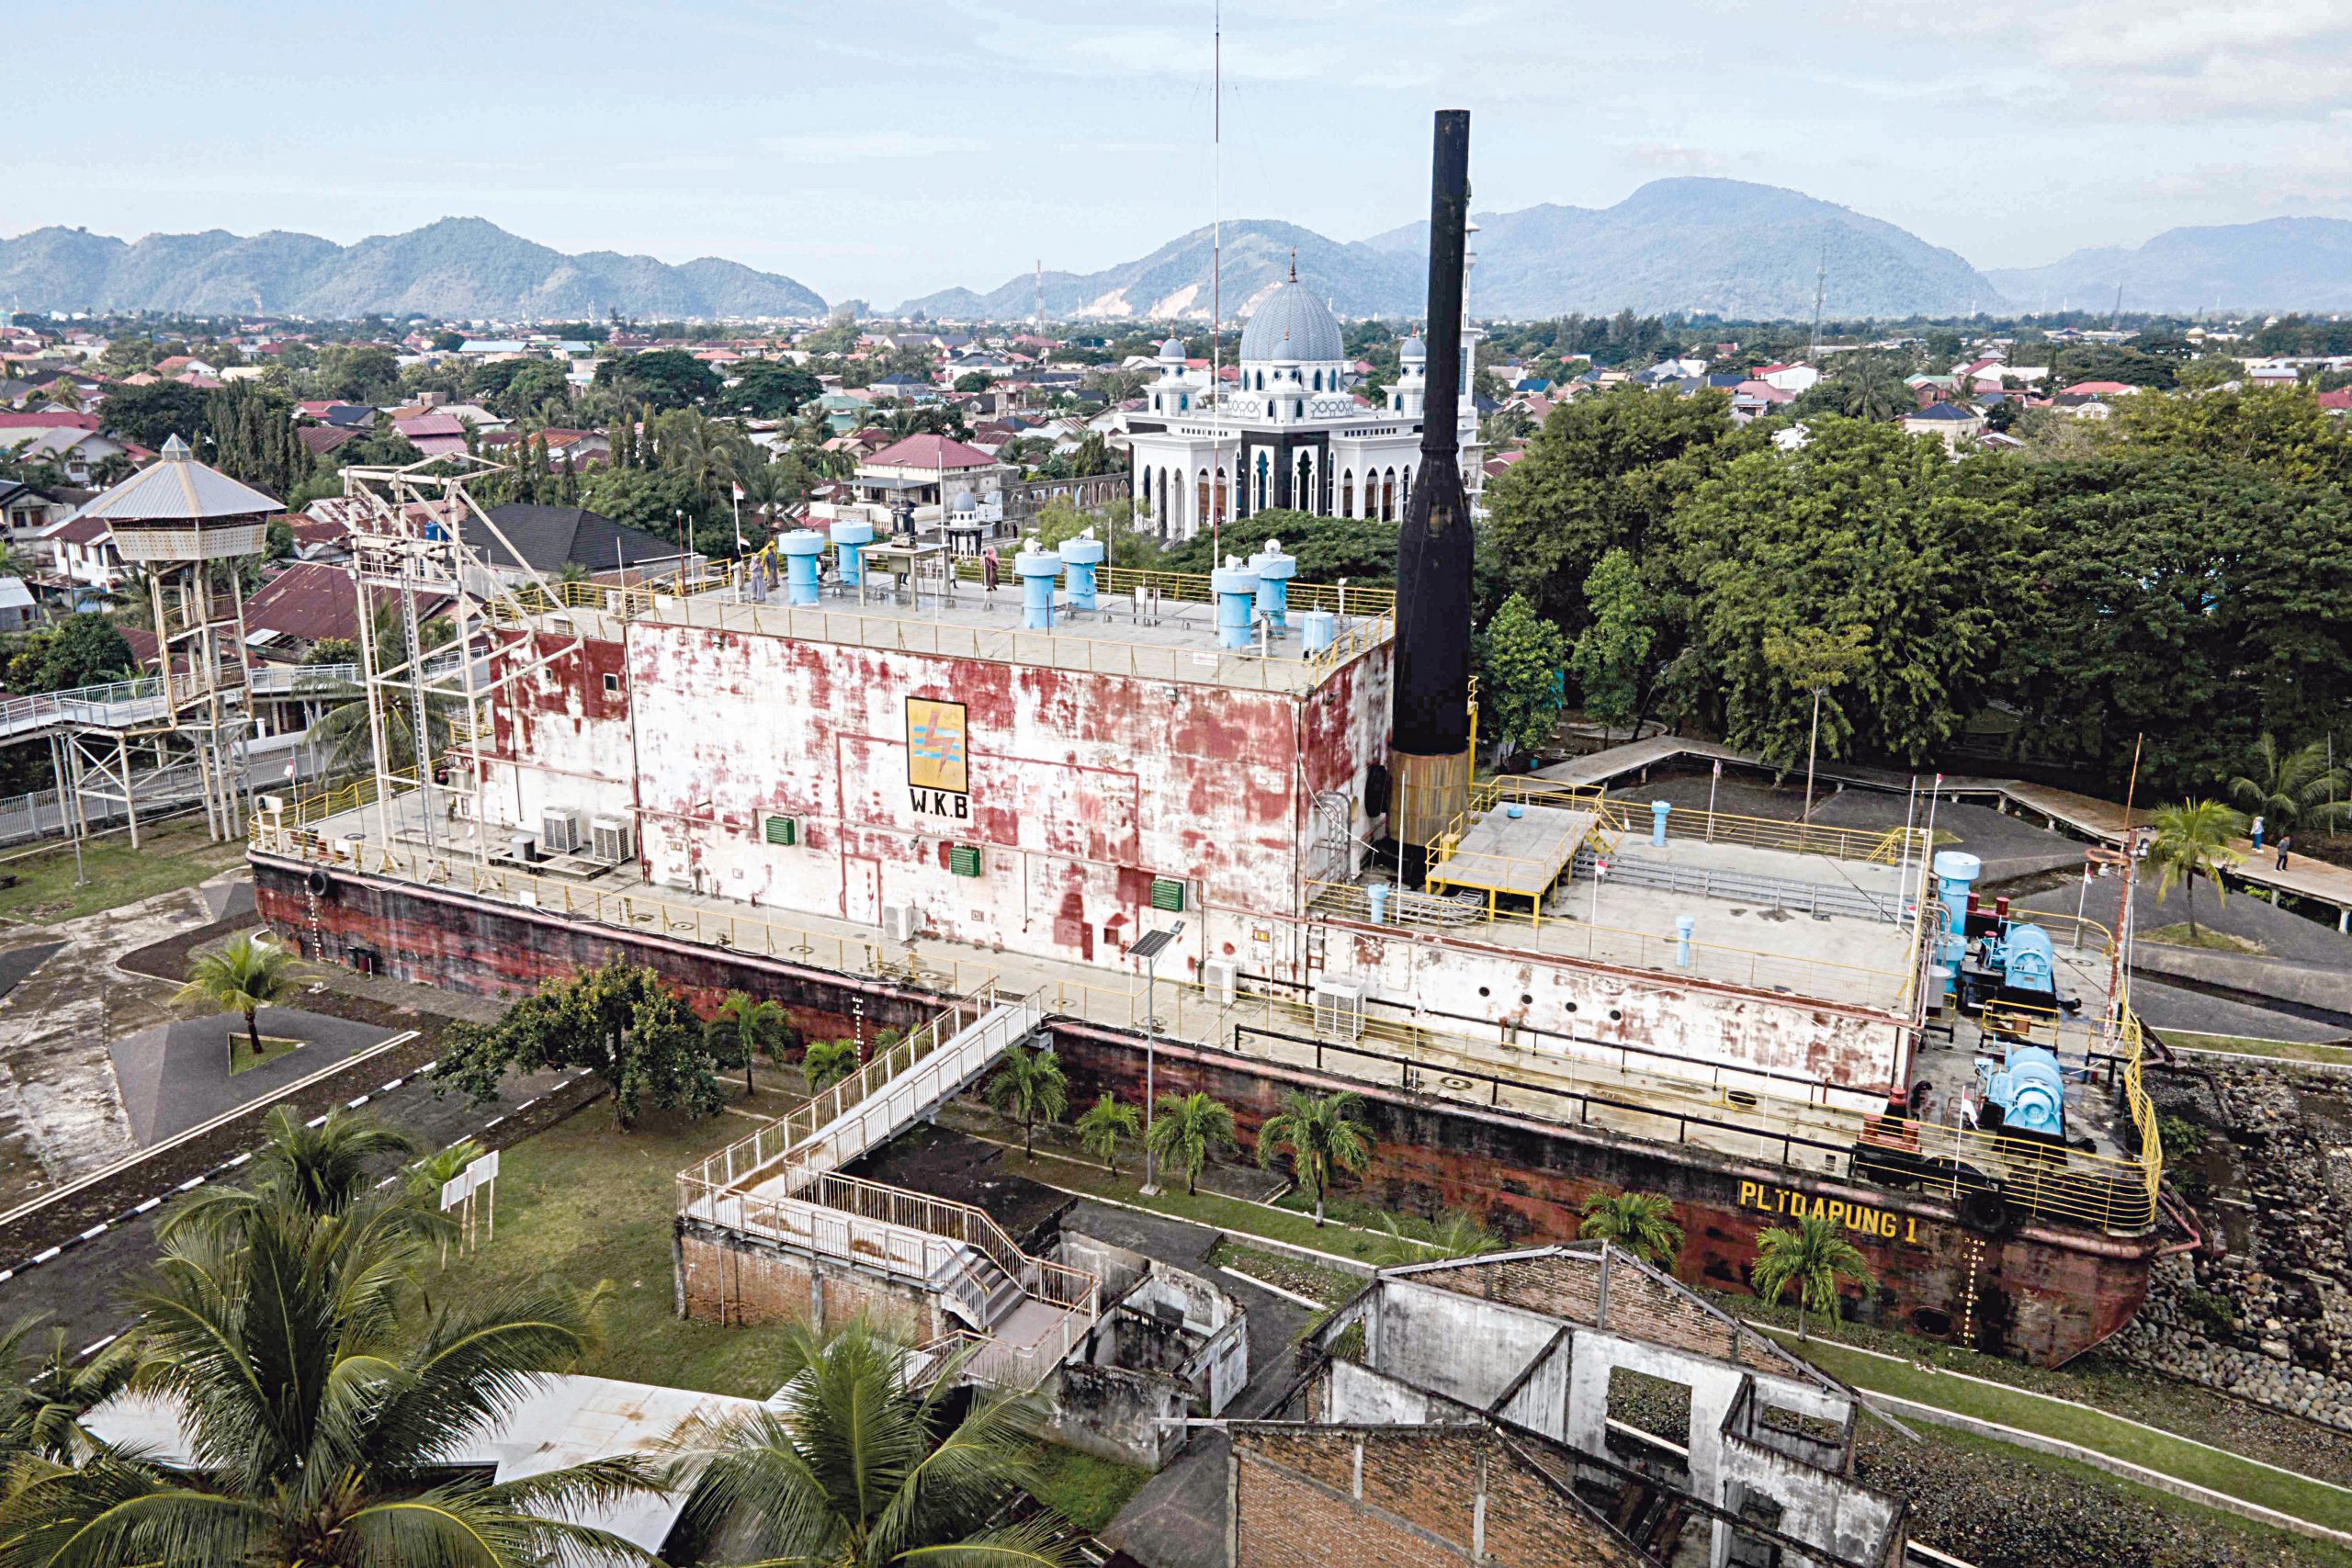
point(1414, 352)
point(1173, 350)
point(1292, 324)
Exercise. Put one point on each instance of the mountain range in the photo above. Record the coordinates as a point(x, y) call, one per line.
point(2288, 264)
point(1728, 246)
point(458, 268)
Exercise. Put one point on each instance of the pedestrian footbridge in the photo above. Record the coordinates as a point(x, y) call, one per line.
point(786, 1187)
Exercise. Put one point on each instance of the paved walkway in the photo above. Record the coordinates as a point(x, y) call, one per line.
point(2103, 821)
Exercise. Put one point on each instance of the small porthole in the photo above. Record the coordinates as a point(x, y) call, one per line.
point(1526, 999)
point(1616, 1016)
point(1572, 1007)
point(612, 686)
point(1484, 992)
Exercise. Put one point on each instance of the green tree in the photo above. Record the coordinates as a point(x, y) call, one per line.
point(359, 373)
point(2291, 788)
point(318, 1171)
point(1105, 1124)
point(741, 1028)
point(1411, 1239)
point(1520, 695)
point(826, 1061)
point(1611, 658)
point(768, 388)
point(152, 414)
point(1323, 1135)
point(863, 1466)
point(620, 1021)
point(83, 649)
point(975, 381)
point(45, 1394)
point(1641, 1222)
point(2281, 430)
point(346, 732)
point(2192, 840)
point(1030, 1085)
point(1814, 1256)
point(320, 1400)
point(1818, 662)
point(661, 378)
point(1186, 1130)
point(244, 975)
point(1599, 475)
point(1863, 526)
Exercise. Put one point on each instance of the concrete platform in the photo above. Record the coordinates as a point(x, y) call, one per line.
point(1517, 857)
point(176, 1075)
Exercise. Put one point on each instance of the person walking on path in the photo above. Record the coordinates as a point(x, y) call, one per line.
point(2286, 842)
point(2255, 829)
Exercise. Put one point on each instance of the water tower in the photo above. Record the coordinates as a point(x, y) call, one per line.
point(186, 526)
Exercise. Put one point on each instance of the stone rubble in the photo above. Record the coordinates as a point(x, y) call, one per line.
point(2275, 1176)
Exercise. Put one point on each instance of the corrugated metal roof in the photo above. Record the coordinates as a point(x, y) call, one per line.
point(178, 488)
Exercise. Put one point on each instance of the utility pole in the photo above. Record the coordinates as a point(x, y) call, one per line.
point(1820, 290)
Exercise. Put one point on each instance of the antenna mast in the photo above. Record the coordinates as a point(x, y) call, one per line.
point(2115, 322)
point(1820, 287)
point(1038, 320)
point(1216, 281)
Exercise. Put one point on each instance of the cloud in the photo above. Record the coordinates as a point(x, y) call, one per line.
point(866, 146)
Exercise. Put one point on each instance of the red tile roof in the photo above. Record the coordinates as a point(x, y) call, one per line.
point(930, 451)
point(50, 418)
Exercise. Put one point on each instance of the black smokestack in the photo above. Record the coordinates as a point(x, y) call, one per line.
point(1430, 708)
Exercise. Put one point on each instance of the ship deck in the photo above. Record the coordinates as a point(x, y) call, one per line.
point(1614, 1087)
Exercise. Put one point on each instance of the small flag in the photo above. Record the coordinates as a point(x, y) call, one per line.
point(738, 492)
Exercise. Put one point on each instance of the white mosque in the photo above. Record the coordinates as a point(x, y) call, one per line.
point(1289, 434)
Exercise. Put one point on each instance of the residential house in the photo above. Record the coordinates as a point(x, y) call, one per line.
point(1954, 422)
point(1753, 400)
point(434, 434)
point(587, 447)
point(305, 604)
point(84, 563)
point(25, 511)
point(19, 611)
point(2099, 390)
point(72, 443)
point(547, 540)
point(1790, 378)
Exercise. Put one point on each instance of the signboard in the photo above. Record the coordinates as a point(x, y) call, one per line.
point(454, 1192)
point(938, 759)
point(483, 1171)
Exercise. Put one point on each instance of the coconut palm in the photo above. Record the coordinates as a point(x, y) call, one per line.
point(1641, 1222)
point(1030, 1085)
point(1105, 1123)
point(1324, 1136)
point(343, 730)
point(245, 975)
point(2292, 787)
point(742, 1029)
point(319, 1412)
point(318, 1170)
point(826, 1061)
point(860, 1468)
point(1411, 1239)
point(2193, 840)
point(1186, 1129)
point(1815, 1256)
point(43, 1398)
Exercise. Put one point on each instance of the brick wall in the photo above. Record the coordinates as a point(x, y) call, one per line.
point(730, 1282)
point(1640, 1306)
point(1299, 1502)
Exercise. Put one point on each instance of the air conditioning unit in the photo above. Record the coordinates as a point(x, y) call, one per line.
point(901, 922)
point(1339, 1008)
point(563, 828)
point(609, 838)
point(1220, 978)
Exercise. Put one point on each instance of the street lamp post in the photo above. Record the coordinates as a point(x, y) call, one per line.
point(1148, 947)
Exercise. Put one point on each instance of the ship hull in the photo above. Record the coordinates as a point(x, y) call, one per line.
point(2038, 1292)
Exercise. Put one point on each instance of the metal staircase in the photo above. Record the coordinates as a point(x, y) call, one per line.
point(786, 1186)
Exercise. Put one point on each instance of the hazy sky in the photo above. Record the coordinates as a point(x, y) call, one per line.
point(882, 148)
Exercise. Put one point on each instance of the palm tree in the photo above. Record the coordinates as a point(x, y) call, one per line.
point(860, 1468)
point(319, 1412)
point(2289, 787)
point(1185, 1130)
point(1815, 1256)
point(743, 1028)
point(245, 975)
point(318, 1170)
point(826, 1061)
point(1324, 1136)
point(1106, 1122)
point(1030, 1085)
point(1641, 1222)
point(343, 730)
point(44, 1399)
point(1414, 1240)
point(2193, 839)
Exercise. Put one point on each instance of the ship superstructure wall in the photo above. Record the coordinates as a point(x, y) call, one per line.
point(1082, 795)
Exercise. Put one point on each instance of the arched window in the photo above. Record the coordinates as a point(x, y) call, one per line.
point(1261, 489)
point(1388, 496)
point(1302, 483)
point(1201, 502)
point(1347, 492)
point(1223, 494)
point(1404, 495)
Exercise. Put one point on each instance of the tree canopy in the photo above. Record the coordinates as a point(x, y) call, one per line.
point(620, 1021)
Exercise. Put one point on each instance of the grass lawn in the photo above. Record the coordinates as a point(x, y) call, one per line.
point(1313, 1280)
point(2178, 935)
point(241, 1056)
point(2249, 1046)
point(582, 1203)
point(2305, 1499)
point(172, 854)
point(1087, 1491)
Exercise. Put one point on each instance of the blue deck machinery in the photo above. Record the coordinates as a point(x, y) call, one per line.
point(2006, 974)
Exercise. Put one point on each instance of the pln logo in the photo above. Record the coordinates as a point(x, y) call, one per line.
point(938, 759)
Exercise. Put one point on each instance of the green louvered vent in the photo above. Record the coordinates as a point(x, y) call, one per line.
point(784, 830)
point(964, 860)
point(1168, 893)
